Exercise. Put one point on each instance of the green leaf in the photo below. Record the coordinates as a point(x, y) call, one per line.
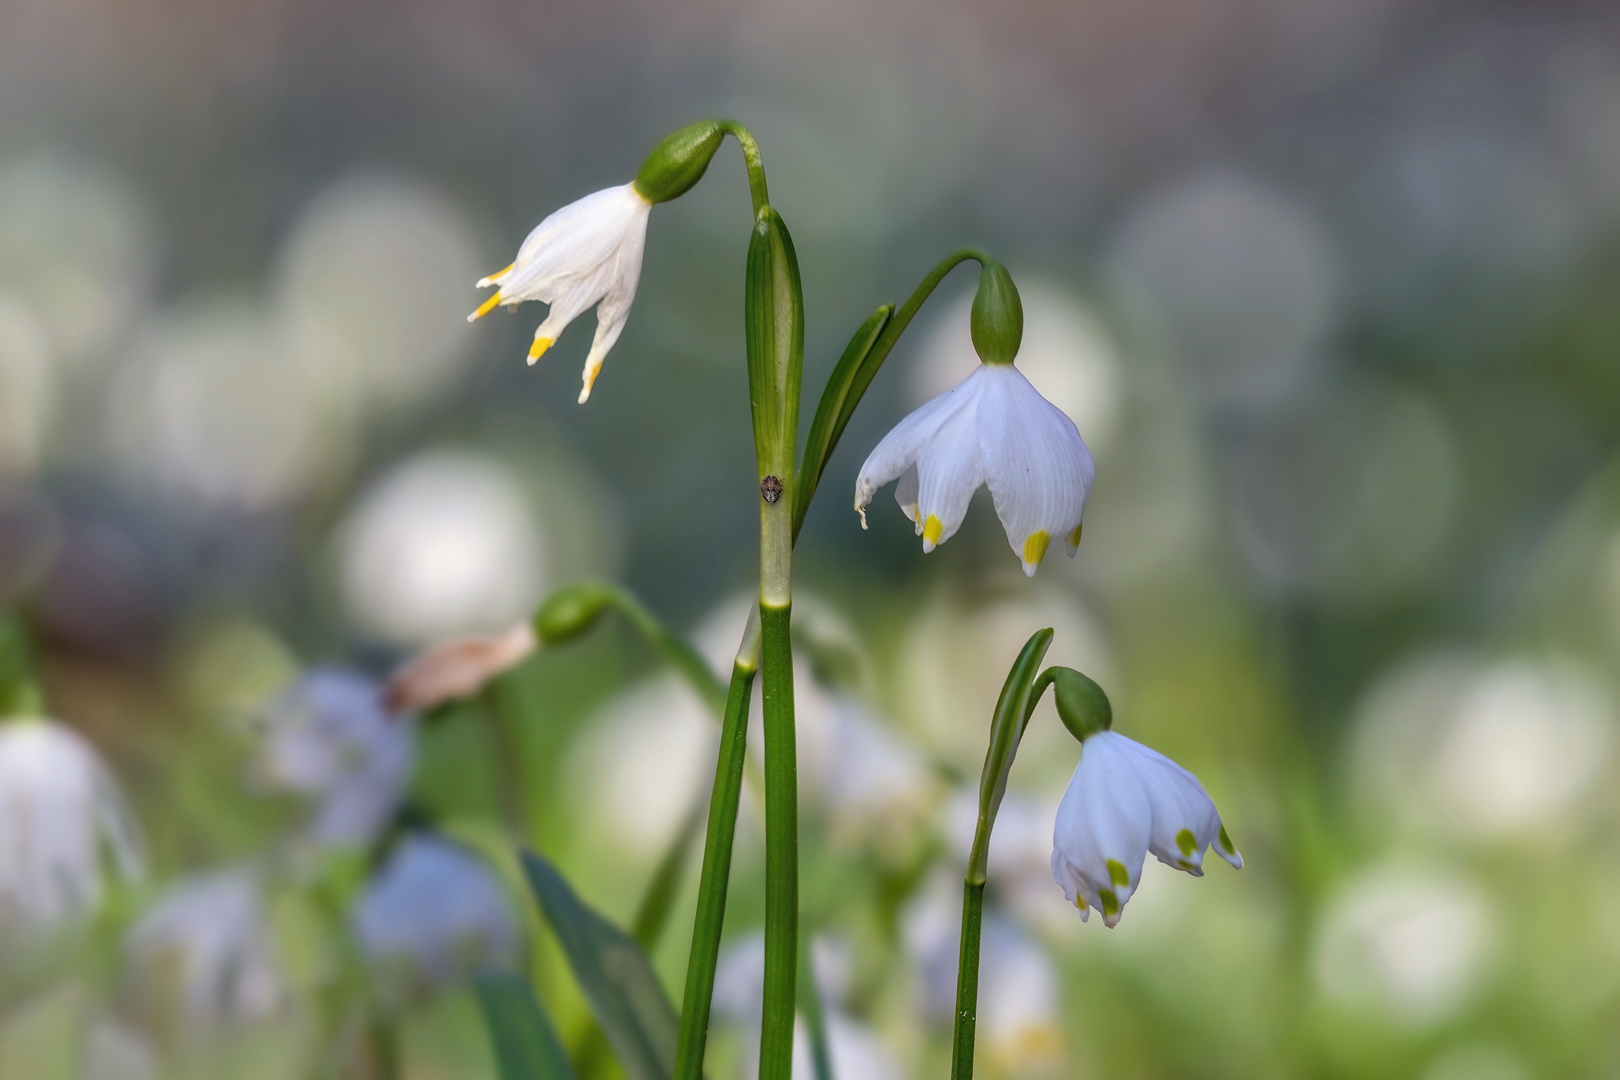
point(1006, 729)
point(831, 415)
point(618, 980)
point(526, 1044)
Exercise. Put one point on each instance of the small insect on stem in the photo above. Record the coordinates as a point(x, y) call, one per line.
point(771, 489)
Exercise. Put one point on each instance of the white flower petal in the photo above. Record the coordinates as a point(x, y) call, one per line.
point(589, 252)
point(900, 448)
point(948, 473)
point(905, 493)
point(1101, 833)
point(1035, 463)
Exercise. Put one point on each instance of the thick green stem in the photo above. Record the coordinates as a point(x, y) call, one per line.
point(1019, 694)
point(781, 846)
point(967, 981)
point(716, 874)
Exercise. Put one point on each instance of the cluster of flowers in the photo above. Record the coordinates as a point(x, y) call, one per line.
point(993, 429)
point(205, 953)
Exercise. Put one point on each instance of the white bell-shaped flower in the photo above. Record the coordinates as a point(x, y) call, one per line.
point(995, 429)
point(330, 738)
point(588, 252)
point(432, 914)
point(206, 951)
point(63, 826)
point(1124, 801)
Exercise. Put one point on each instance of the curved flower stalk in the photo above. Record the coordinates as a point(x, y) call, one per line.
point(329, 738)
point(205, 955)
point(64, 826)
point(433, 913)
point(996, 429)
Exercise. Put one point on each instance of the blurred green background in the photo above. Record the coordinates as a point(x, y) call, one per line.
point(1329, 288)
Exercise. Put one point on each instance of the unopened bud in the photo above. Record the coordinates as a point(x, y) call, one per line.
point(572, 610)
point(679, 161)
point(1081, 703)
point(997, 322)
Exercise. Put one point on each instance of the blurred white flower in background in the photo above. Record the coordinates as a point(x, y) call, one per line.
point(205, 954)
point(857, 1052)
point(1413, 942)
point(216, 407)
point(641, 761)
point(447, 542)
point(78, 251)
point(1066, 351)
point(1239, 274)
point(1020, 855)
point(1020, 1010)
point(64, 826)
point(432, 914)
point(402, 342)
point(872, 781)
point(329, 738)
point(28, 391)
point(1482, 751)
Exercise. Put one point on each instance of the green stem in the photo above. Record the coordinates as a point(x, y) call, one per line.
point(1019, 694)
point(967, 982)
point(751, 157)
point(715, 876)
point(676, 649)
point(781, 846)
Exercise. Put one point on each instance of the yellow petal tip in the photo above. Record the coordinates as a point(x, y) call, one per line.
point(538, 348)
point(932, 530)
point(1035, 546)
point(486, 307)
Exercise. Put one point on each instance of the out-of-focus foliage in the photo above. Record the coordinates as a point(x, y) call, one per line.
point(1329, 288)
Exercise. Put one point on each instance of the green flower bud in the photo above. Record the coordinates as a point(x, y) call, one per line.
point(679, 161)
point(572, 610)
point(1081, 703)
point(998, 315)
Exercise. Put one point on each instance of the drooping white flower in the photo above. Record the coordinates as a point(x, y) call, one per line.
point(994, 429)
point(63, 825)
point(206, 951)
point(330, 738)
point(588, 252)
point(1124, 801)
point(433, 913)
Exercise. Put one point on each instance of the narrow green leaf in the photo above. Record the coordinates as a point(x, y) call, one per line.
point(618, 980)
point(831, 418)
point(1006, 729)
point(526, 1044)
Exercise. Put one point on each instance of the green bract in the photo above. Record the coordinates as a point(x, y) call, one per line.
point(997, 322)
point(679, 161)
point(1081, 703)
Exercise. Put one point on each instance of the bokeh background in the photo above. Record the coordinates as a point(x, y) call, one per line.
point(1329, 288)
